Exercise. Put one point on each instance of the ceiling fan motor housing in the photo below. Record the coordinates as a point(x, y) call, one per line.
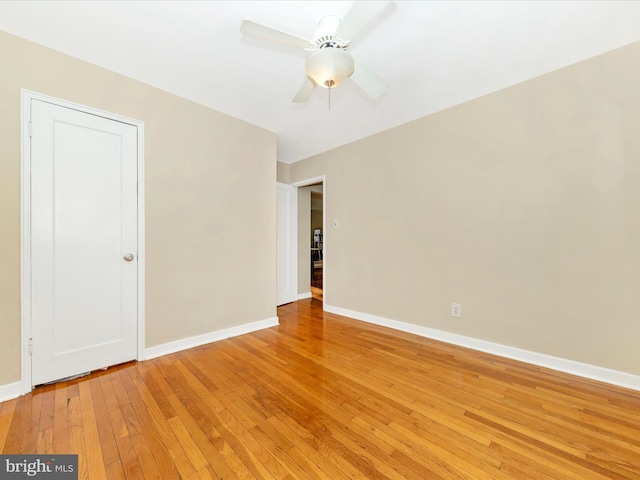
point(325, 34)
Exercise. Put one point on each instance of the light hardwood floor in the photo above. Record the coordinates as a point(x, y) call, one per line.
point(316, 293)
point(325, 397)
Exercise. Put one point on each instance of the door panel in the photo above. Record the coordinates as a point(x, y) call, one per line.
point(287, 256)
point(83, 220)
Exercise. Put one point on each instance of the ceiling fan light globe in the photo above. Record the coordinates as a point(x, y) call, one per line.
point(329, 67)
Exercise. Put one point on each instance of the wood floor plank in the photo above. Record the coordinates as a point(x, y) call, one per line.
point(13, 441)
point(45, 425)
point(582, 467)
point(115, 471)
point(206, 438)
point(232, 399)
point(106, 436)
point(151, 452)
point(190, 447)
point(132, 467)
point(323, 396)
point(112, 406)
point(29, 437)
point(7, 410)
point(60, 421)
point(76, 436)
point(236, 449)
point(152, 435)
point(94, 462)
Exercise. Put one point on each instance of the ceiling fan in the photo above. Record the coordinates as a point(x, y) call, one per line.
point(329, 63)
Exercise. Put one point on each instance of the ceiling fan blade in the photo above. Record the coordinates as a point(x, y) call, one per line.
point(368, 81)
point(306, 89)
point(358, 17)
point(258, 30)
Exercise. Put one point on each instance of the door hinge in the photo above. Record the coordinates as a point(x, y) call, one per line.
point(30, 129)
point(30, 346)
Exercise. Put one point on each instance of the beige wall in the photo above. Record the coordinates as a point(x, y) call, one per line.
point(282, 173)
point(523, 206)
point(210, 190)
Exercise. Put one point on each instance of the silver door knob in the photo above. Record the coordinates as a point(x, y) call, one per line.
point(128, 257)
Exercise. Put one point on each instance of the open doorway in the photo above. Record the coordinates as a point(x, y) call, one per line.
point(317, 241)
point(312, 243)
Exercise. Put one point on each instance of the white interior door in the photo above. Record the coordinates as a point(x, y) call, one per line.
point(83, 241)
point(287, 241)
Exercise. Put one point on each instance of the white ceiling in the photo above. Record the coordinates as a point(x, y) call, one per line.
point(433, 54)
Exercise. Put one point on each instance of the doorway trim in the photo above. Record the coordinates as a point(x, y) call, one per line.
point(25, 224)
point(305, 183)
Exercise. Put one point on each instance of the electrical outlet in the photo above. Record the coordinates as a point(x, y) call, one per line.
point(456, 310)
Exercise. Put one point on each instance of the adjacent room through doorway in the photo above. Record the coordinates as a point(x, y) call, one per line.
point(317, 241)
point(311, 239)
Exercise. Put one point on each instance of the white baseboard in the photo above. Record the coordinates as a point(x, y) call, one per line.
point(585, 370)
point(10, 391)
point(185, 343)
point(302, 296)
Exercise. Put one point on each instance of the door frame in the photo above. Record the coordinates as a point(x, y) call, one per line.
point(25, 224)
point(306, 183)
